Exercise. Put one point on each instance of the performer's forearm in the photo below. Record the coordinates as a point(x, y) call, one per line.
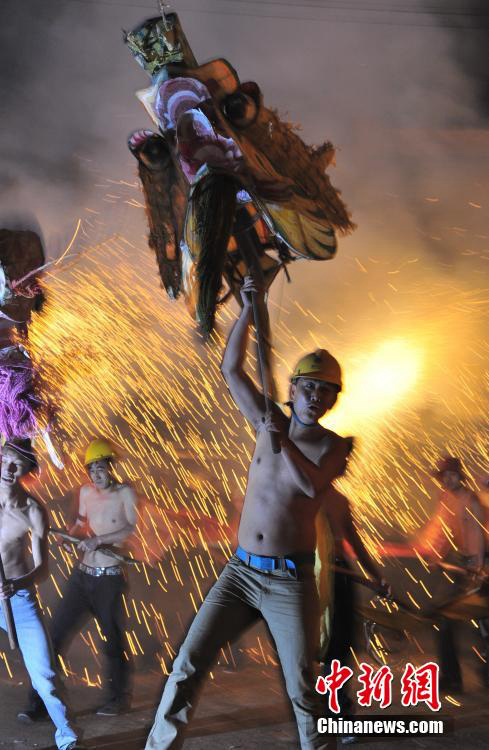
point(77, 530)
point(116, 537)
point(30, 578)
point(235, 351)
point(301, 473)
point(304, 473)
point(310, 478)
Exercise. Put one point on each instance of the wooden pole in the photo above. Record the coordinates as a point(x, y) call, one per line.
point(356, 577)
point(8, 614)
point(106, 550)
point(250, 257)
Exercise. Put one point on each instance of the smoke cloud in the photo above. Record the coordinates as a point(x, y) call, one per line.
point(382, 86)
point(400, 94)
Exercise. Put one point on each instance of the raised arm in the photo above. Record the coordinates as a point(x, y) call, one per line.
point(247, 397)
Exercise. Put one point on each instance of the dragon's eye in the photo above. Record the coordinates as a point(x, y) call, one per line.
point(240, 109)
point(154, 152)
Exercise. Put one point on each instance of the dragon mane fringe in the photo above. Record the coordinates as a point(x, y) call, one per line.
point(215, 206)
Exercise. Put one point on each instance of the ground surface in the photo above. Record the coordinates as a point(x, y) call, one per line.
point(243, 709)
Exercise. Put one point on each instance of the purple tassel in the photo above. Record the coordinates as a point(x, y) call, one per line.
point(18, 402)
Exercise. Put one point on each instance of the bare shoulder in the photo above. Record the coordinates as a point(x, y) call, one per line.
point(334, 436)
point(330, 441)
point(124, 488)
point(37, 515)
point(126, 492)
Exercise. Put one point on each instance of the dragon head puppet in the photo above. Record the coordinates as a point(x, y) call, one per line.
point(229, 186)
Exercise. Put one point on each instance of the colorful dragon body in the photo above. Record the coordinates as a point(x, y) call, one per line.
point(222, 164)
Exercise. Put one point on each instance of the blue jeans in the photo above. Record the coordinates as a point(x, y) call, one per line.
point(36, 651)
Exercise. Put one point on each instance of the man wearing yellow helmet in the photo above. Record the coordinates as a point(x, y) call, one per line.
point(106, 517)
point(271, 575)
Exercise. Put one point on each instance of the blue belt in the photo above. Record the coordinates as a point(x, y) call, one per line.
point(264, 562)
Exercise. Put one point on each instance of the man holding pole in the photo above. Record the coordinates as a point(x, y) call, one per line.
point(107, 515)
point(455, 534)
point(21, 517)
point(453, 539)
point(271, 576)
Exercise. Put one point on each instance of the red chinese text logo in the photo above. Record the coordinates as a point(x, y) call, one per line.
point(418, 685)
point(333, 682)
point(377, 687)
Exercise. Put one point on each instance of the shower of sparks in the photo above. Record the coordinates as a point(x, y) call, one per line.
point(416, 387)
point(119, 360)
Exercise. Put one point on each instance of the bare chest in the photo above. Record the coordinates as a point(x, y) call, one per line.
point(266, 459)
point(105, 515)
point(14, 524)
point(14, 528)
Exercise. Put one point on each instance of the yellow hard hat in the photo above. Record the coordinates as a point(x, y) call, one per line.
point(320, 365)
point(98, 450)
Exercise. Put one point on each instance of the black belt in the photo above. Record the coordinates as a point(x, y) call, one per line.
point(110, 570)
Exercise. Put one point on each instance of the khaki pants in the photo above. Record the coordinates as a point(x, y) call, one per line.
point(240, 597)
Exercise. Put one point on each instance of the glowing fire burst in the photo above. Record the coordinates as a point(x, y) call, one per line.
point(378, 385)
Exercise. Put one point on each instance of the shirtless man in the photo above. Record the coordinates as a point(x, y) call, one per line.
point(457, 524)
point(271, 576)
point(455, 535)
point(106, 516)
point(22, 519)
